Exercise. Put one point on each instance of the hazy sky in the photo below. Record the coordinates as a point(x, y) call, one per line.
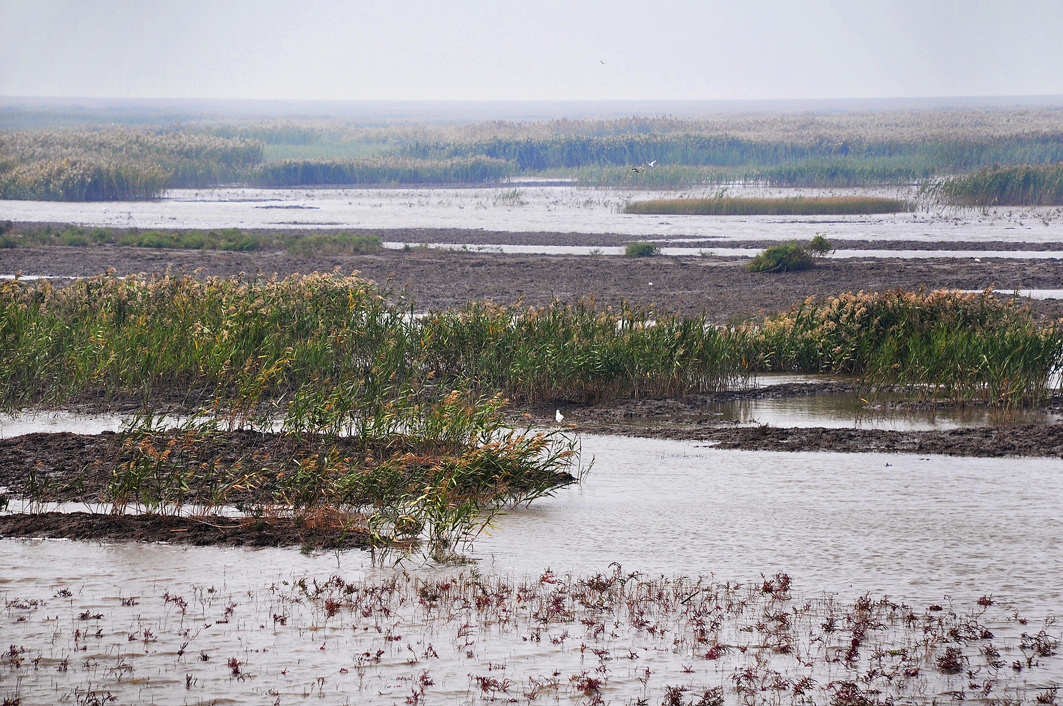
point(509, 50)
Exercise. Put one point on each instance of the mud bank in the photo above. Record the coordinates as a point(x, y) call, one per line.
point(209, 531)
point(434, 280)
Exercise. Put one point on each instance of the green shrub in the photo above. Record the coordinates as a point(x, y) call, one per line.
point(641, 249)
point(790, 257)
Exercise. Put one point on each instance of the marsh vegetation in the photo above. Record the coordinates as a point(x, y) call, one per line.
point(223, 239)
point(612, 637)
point(307, 339)
point(813, 150)
point(723, 205)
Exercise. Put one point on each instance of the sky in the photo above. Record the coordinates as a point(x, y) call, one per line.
point(530, 50)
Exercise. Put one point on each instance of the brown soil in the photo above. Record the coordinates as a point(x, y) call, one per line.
point(719, 287)
point(202, 531)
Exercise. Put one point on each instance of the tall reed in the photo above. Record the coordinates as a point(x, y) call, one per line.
point(380, 170)
point(1021, 185)
point(946, 344)
point(336, 350)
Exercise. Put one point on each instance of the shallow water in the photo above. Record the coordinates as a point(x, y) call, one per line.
point(561, 209)
point(54, 422)
point(921, 529)
point(847, 411)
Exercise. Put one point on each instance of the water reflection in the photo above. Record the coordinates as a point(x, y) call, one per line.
point(848, 411)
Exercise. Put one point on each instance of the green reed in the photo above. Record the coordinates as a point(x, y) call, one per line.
point(1021, 185)
point(228, 239)
point(582, 352)
point(336, 350)
point(793, 206)
point(946, 344)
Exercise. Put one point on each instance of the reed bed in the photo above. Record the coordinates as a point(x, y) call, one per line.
point(941, 344)
point(322, 356)
point(332, 342)
point(577, 351)
point(722, 150)
point(1021, 185)
point(794, 206)
point(801, 150)
point(380, 170)
point(116, 164)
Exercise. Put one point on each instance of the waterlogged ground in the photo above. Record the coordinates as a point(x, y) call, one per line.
point(910, 556)
point(526, 208)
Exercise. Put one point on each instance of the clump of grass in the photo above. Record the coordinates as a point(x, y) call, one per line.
point(512, 197)
point(335, 244)
point(1022, 185)
point(794, 206)
point(791, 257)
point(641, 249)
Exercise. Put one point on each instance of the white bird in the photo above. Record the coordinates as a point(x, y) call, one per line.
point(651, 164)
point(558, 416)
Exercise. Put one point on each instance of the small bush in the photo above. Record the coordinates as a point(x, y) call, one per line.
point(641, 250)
point(790, 257)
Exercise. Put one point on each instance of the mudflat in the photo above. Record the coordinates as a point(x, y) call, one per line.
point(719, 287)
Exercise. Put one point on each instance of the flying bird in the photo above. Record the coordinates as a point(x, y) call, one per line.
point(652, 164)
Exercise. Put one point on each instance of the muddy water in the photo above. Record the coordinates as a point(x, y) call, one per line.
point(561, 209)
point(900, 524)
point(921, 529)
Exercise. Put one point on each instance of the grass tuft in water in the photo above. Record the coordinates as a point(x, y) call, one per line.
point(794, 206)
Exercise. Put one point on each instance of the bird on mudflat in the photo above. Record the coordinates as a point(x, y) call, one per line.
point(558, 416)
